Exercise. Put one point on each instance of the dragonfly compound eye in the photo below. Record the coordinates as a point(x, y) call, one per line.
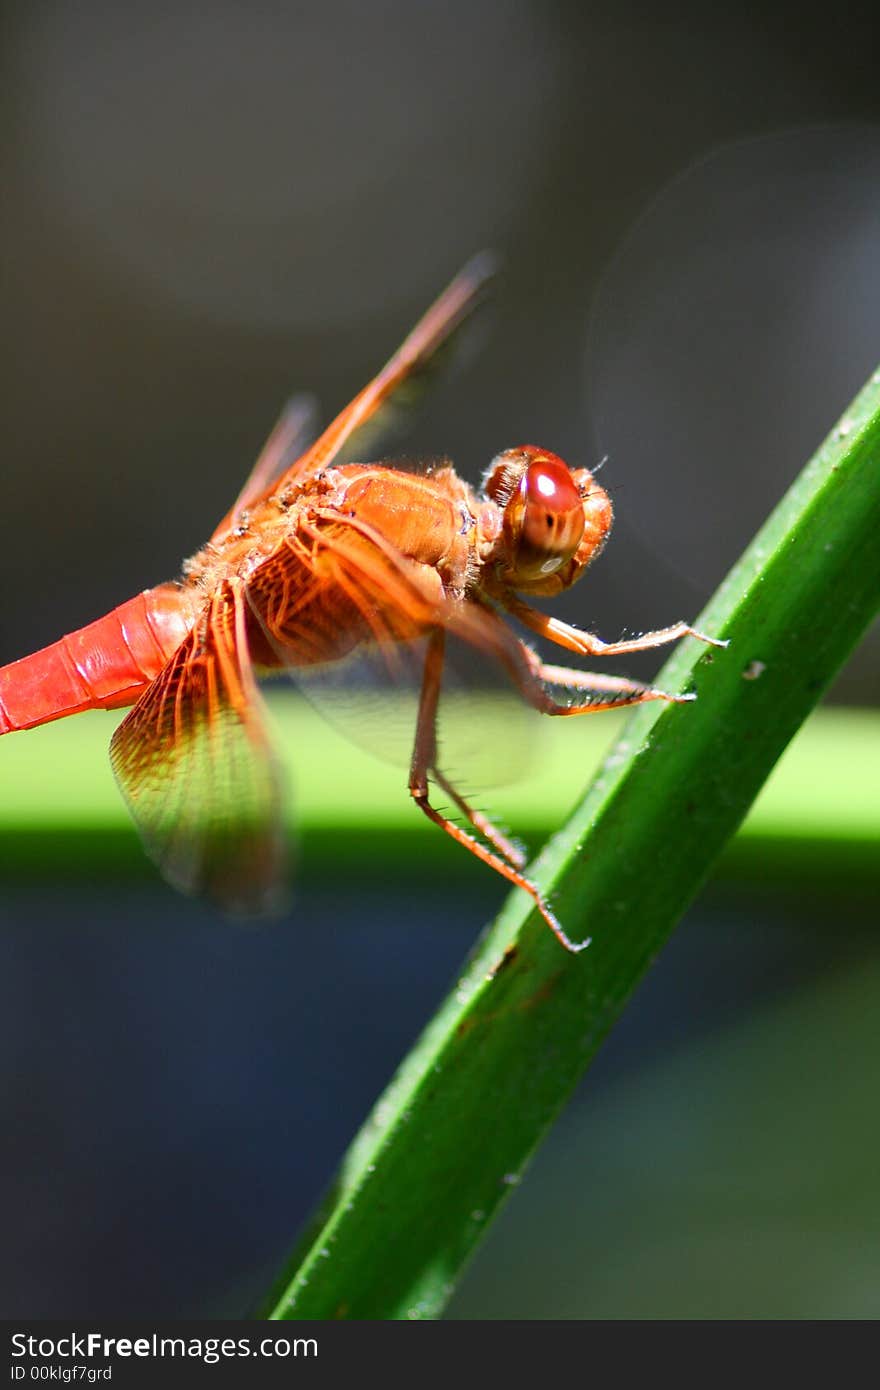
point(544, 518)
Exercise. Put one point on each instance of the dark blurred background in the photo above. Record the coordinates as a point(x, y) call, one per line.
point(209, 206)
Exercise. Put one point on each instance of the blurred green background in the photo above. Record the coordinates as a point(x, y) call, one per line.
point(207, 207)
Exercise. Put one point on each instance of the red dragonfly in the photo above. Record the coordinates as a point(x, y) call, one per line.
point(317, 560)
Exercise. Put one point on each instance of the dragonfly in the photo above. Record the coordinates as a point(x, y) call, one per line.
point(319, 559)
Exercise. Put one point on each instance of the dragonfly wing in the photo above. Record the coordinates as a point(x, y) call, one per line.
point(293, 431)
point(413, 357)
point(291, 434)
point(195, 766)
point(347, 615)
point(338, 583)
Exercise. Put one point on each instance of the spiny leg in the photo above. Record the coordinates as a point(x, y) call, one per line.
point(625, 691)
point(483, 627)
point(425, 756)
point(573, 679)
point(587, 644)
point(620, 685)
point(531, 675)
point(480, 822)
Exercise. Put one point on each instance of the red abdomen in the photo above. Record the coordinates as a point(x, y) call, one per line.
point(105, 665)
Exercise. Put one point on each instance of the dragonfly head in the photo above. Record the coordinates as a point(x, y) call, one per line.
point(554, 519)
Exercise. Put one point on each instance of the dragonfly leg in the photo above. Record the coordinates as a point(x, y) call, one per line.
point(587, 644)
point(626, 691)
point(623, 692)
point(424, 758)
point(531, 676)
point(505, 847)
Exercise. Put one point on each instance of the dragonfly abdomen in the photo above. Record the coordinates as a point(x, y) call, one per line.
point(104, 665)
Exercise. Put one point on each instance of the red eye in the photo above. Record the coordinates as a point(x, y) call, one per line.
point(550, 487)
point(553, 521)
point(546, 518)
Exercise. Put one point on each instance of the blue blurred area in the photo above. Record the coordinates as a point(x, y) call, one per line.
point(177, 1091)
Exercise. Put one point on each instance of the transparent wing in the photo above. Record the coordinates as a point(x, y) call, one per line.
point(347, 616)
point(416, 355)
point(194, 764)
point(295, 427)
point(488, 735)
